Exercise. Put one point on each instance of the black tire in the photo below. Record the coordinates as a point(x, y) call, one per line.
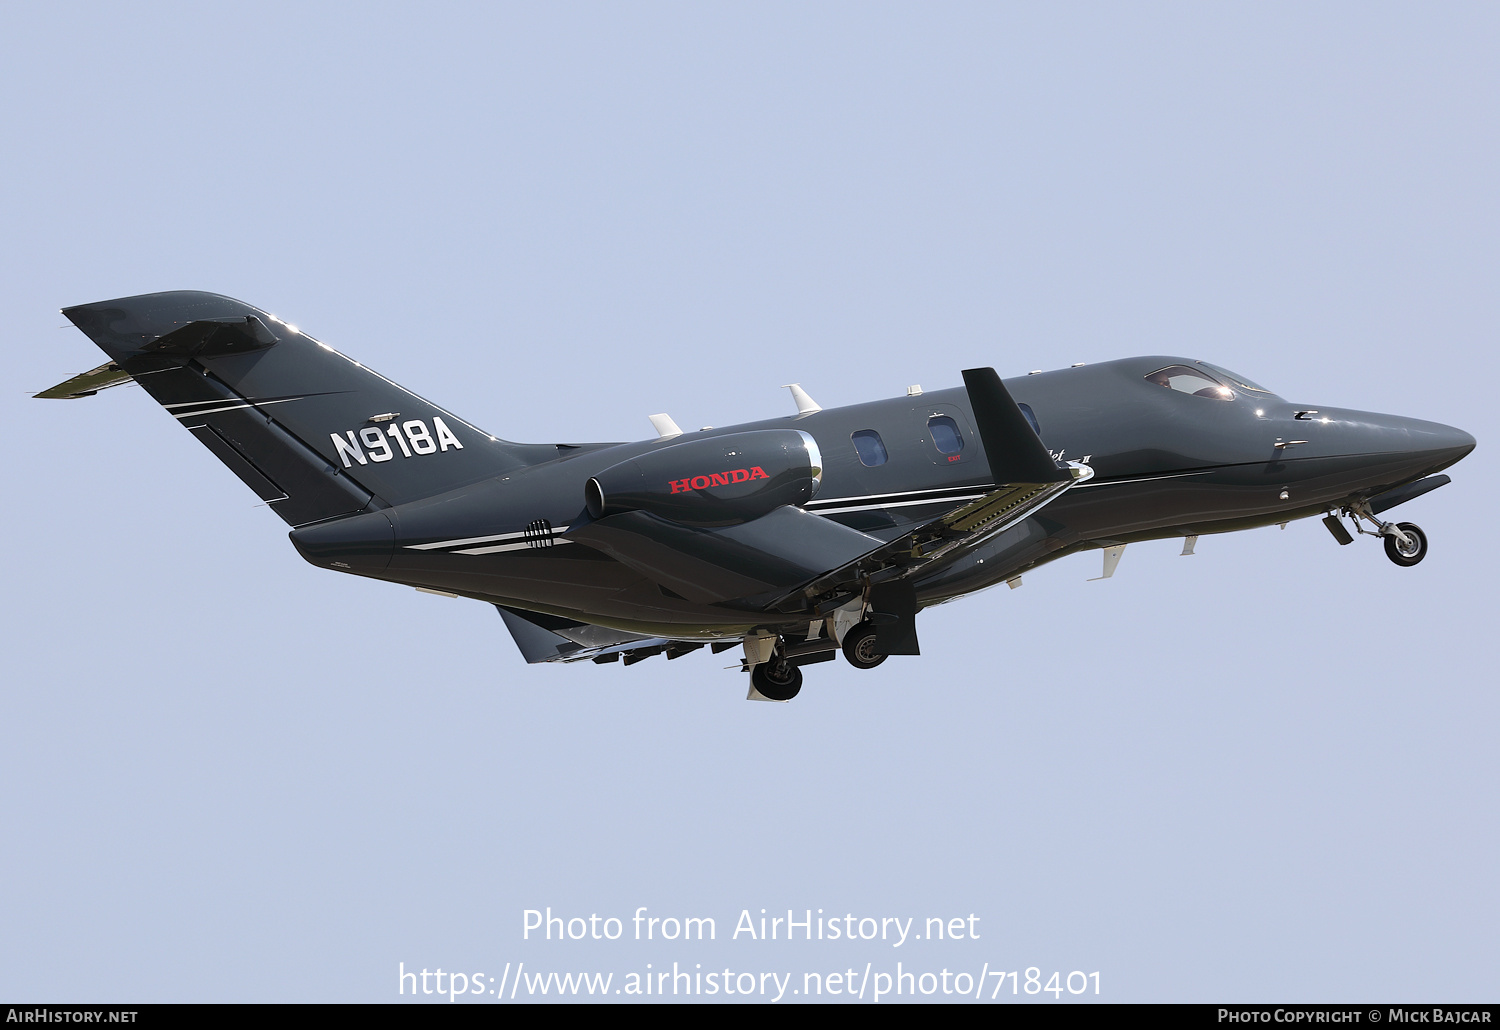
point(776, 680)
point(1410, 555)
point(859, 647)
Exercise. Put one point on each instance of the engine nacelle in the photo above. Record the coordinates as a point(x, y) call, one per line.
point(719, 481)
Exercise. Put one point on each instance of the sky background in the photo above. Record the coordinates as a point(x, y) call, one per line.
point(1263, 773)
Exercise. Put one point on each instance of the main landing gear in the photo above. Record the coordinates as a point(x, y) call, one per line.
point(859, 647)
point(776, 680)
point(777, 675)
point(1405, 543)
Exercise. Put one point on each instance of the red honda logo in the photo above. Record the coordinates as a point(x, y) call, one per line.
point(680, 486)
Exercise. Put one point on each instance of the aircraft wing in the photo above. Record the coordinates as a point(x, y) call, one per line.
point(939, 541)
point(790, 560)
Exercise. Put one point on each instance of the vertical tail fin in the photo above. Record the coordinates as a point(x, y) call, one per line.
point(314, 433)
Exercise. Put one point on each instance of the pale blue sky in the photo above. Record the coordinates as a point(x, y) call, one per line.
point(1266, 772)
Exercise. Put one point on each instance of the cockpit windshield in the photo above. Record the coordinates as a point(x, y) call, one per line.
point(1191, 380)
point(1235, 378)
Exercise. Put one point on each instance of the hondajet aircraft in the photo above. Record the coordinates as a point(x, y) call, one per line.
point(791, 538)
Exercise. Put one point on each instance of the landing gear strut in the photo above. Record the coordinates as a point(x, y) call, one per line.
point(1405, 543)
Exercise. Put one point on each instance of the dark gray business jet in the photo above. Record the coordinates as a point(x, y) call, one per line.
point(791, 538)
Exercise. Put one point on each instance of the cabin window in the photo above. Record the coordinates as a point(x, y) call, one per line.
point(1191, 380)
point(945, 434)
point(870, 447)
point(1036, 427)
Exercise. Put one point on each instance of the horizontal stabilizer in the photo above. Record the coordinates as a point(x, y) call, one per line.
point(314, 433)
point(550, 638)
point(86, 384)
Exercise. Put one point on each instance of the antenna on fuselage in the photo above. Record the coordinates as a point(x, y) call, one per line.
point(1111, 561)
point(664, 426)
point(805, 404)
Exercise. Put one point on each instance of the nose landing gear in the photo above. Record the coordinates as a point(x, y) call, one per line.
point(1408, 548)
point(1405, 543)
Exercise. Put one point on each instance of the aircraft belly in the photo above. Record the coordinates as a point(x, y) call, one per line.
point(547, 572)
point(1334, 478)
point(1229, 492)
point(1197, 501)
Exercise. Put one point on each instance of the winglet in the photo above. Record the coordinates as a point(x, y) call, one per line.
point(1015, 453)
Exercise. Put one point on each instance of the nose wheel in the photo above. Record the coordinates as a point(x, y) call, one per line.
point(1408, 548)
point(1405, 543)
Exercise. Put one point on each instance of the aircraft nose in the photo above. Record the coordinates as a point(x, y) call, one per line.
point(1383, 448)
point(1443, 445)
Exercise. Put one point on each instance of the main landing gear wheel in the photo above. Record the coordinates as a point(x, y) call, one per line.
point(859, 647)
point(1411, 552)
point(776, 679)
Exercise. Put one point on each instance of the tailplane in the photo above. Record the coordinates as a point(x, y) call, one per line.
point(314, 433)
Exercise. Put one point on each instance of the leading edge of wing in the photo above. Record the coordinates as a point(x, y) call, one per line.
point(943, 539)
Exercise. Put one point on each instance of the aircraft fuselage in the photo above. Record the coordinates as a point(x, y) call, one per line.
point(1166, 463)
